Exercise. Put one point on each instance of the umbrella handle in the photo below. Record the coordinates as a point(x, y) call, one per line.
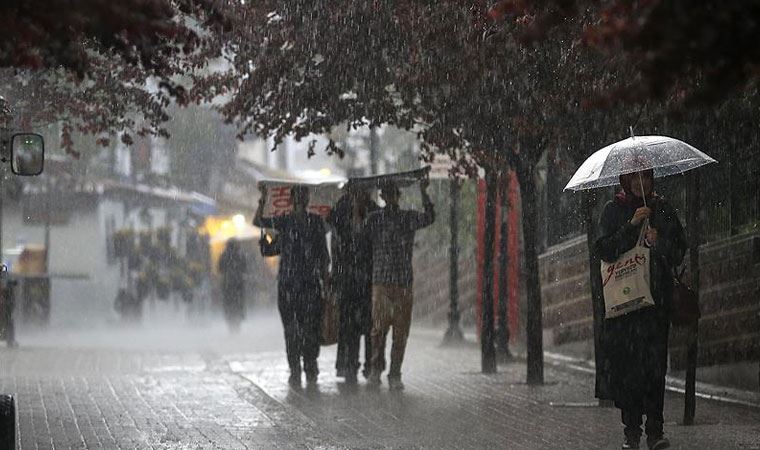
point(641, 184)
point(644, 197)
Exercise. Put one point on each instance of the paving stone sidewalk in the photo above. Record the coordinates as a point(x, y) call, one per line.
point(449, 404)
point(225, 396)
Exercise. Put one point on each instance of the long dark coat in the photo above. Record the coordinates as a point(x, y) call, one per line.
point(352, 268)
point(635, 345)
point(232, 266)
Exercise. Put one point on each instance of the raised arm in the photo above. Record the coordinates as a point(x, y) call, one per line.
point(258, 220)
point(266, 222)
point(423, 219)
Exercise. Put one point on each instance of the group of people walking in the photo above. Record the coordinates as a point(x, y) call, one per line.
point(371, 272)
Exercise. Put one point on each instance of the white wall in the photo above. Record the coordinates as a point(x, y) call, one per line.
point(81, 291)
point(84, 291)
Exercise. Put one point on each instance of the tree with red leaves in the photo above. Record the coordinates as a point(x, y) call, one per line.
point(680, 51)
point(87, 64)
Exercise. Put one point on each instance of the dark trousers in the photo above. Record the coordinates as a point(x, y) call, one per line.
point(301, 314)
point(652, 408)
point(355, 322)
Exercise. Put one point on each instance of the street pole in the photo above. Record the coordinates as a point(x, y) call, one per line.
point(502, 332)
point(6, 119)
point(48, 190)
point(5, 136)
point(6, 296)
point(454, 333)
point(695, 237)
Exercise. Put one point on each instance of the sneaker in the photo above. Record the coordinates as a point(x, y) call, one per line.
point(395, 384)
point(630, 443)
point(658, 444)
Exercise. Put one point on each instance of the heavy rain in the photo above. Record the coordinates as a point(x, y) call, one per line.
point(397, 224)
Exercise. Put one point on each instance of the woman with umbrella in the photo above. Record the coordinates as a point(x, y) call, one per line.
point(637, 343)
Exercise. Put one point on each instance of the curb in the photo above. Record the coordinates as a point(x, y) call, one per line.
point(706, 391)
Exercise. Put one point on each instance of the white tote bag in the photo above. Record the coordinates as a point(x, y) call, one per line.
point(626, 281)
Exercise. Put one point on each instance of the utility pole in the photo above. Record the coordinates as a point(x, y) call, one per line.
point(454, 333)
point(373, 150)
point(695, 237)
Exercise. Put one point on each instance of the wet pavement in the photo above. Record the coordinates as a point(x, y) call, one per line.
point(195, 387)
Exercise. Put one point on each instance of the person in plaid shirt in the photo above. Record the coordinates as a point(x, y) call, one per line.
point(392, 231)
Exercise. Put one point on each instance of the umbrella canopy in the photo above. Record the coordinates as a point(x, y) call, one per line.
point(665, 155)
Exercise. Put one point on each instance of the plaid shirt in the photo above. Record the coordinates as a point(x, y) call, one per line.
point(392, 232)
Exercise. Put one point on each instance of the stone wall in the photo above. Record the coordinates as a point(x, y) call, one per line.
point(729, 297)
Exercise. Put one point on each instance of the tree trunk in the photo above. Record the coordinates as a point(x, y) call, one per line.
point(502, 333)
point(525, 176)
point(488, 351)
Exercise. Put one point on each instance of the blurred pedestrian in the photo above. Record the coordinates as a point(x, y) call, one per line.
point(352, 275)
point(304, 263)
point(392, 230)
point(637, 343)
point(232, 267)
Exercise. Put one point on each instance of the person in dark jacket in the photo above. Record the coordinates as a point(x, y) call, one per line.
point(232, 267)
point(637, 343)
point(352, 271)
point(303, 269)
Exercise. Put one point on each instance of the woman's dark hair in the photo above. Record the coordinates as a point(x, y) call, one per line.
point(626, 179)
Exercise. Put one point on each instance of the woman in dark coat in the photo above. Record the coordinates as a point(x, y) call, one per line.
point(232, 267)
point(636, 344)
point(353, 276)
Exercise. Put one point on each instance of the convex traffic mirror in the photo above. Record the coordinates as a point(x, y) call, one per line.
point(27, 154)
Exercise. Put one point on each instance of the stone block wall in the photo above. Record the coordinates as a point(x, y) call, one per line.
point(729, 298)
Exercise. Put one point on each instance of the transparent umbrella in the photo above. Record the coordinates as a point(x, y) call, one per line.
point(665, 155)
